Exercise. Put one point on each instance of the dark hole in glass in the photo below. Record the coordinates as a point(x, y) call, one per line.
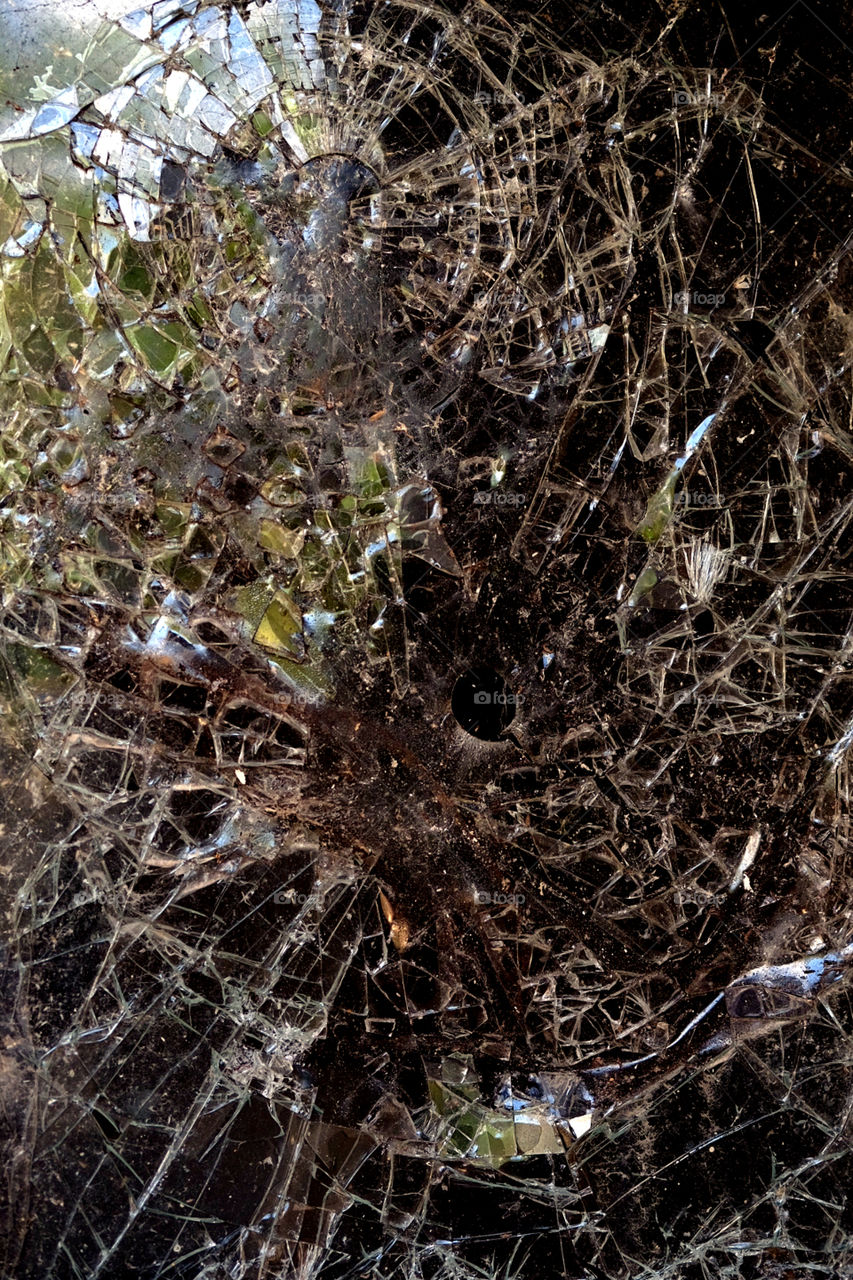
point(482, 704)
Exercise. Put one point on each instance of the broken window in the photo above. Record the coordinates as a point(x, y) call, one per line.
point(425, 507)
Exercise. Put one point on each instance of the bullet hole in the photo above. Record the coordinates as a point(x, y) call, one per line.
point(482, 704)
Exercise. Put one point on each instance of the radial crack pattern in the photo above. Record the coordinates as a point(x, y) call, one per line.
point(425, 510)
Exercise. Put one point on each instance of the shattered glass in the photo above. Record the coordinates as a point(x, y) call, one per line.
point(426, 629)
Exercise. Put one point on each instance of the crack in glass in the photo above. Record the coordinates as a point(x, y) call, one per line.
point(426, 625)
